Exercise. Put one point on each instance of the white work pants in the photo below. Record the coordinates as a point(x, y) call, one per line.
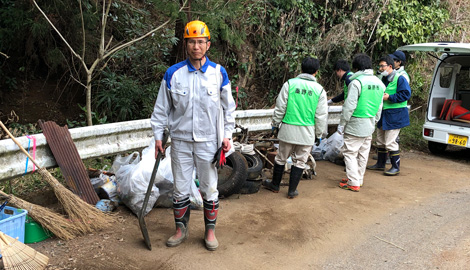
point(356, 153)
point(388, 139)
point(187, 155)
point(299, 154)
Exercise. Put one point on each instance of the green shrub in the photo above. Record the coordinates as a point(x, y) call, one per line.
point(122, 97)
point(95, 119)
point(409, 22)
point(411, 137)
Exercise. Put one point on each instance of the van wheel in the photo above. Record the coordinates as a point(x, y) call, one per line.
point(233, 175)
point(255, 165)
point(437, 148)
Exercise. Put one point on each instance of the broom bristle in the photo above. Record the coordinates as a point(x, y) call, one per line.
point(55, 223)
point(17, 255)
point(84, 216)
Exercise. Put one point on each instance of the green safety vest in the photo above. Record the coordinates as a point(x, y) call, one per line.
point(302, 102)
point(345, 87)
point(372, 92)
point(391, 90)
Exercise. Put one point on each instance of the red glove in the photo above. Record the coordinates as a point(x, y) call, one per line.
point(219, 158)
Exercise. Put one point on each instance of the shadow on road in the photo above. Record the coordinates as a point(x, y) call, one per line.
point(457, 154)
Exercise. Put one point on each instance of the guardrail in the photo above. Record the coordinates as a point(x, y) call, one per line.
point(114, 138)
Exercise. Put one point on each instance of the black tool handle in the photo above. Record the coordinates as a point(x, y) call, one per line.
point(143, 226)
point(3, 205)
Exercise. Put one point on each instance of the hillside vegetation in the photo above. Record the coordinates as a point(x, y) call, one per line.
point(259, 42)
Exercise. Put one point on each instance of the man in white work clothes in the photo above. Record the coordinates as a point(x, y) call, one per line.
point(188, 103)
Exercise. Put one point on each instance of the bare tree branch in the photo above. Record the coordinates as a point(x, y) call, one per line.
point(83, 29)
point(109, 43)
point(63, 39)
point(135, 40)
point(105, 64)
point(103, 54)
point(74, 66)
point(71, 76)
point(6, 56)
point(103, 26)
point(377, 20)
point(141, 37)
point(323, 28)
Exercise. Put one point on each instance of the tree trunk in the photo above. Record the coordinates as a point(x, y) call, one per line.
point(177, 52)
point(88, 99)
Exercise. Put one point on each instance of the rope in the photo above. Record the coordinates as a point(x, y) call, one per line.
point(236, 104)
point(34, 150)
point(247, 149)
point(27, 158)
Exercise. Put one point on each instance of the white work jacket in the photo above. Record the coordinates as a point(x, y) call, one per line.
point(356, 126)
point(188, 103)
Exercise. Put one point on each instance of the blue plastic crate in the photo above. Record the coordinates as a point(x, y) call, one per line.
point(12, 222)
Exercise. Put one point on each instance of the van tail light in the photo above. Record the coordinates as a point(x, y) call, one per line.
point(428, 132)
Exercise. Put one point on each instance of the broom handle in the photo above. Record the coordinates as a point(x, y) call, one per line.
point(4, 238)
point(3, 194)
point(19, 145)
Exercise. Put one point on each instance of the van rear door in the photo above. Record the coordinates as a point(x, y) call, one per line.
point(452, 48)
point(451, 81)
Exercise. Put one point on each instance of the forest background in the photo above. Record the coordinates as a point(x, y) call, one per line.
point(261, 44)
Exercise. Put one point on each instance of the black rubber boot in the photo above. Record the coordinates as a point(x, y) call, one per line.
point(274, 184)
point(381, 159)
point(181, 211)
point(395, 160)
point(295, 175)
point(387, 160)
point(211, 209)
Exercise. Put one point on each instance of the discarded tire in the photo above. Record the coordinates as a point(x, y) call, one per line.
point(255, 165)
point(233, 175)
point(250, 186)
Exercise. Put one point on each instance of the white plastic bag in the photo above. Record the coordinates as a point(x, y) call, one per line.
point(102, 179)
point(318, 151)
point(195, 196)
point(133, 180)
point(164, 182)
point(119, 161)
point(333, 147)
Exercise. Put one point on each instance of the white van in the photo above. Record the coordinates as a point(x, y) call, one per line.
point(449, 96)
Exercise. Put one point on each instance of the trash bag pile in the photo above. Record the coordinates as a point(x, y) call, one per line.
point(133, 176)
point(328, 149)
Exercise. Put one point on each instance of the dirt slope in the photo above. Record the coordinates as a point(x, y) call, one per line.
point(418, 220)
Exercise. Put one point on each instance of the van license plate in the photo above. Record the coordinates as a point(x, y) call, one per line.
point(457, 140)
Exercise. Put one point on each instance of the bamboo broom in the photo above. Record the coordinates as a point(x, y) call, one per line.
point(18, 256)
point(55, 223)
point(84, 216)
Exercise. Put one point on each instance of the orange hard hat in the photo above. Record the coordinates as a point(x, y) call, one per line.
point(195, 29)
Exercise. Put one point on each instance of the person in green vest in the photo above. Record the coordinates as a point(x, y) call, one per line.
point(344, 73)
point(399, 61)
point(361, 111)
point(300, 116)
point(394, 116)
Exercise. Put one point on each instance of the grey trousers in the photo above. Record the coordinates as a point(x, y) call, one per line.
point(356, 153)
point(299, 154)
point(185, 156)
point(388, 139)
